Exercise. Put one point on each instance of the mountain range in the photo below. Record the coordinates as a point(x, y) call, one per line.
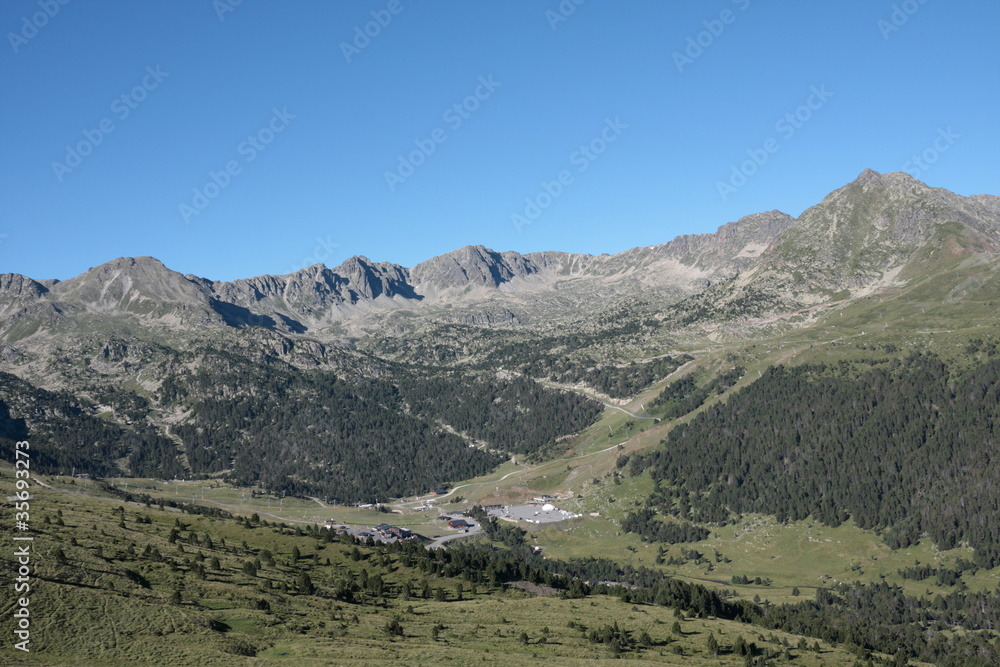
point(783, 406)
point(877, 231)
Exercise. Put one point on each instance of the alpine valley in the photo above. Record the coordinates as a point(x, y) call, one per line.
point(775, 444)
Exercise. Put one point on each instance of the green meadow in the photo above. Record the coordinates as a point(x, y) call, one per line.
point(122, 583)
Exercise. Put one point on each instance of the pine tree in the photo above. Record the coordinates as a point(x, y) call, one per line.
point(713, 644)
point(305, 584)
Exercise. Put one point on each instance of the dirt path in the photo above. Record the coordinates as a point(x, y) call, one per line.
point(630, 414)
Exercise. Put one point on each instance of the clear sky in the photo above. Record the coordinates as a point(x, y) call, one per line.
point(233, 139)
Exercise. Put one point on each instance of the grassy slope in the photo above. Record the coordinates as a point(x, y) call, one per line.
point(89, 611)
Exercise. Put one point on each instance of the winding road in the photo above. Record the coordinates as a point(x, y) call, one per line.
point(441, 541)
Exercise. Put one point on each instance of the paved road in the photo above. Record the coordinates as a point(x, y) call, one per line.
point(424, 499)
point(441, 541)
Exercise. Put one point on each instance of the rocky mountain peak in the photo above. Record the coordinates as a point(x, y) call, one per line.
point(869, 176)
point(369, 280)
point(128, 281)
point(473, 265)
point(16, 286)
point(871, 181)
point(864, 230)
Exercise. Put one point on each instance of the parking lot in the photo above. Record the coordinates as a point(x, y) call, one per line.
point(533, 513)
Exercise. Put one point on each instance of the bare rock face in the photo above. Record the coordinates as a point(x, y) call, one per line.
point(14, 286)
point(319, 287)
point(731, 249)
point(472, 265)
point(370, 280)
point(22, 304)
point(296, 301)
point(990, 203)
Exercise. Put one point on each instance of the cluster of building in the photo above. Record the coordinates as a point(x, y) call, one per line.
point(385, 531)
point(382, 531)
point(457, 524)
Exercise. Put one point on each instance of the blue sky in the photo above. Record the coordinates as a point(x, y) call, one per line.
point(236, 139)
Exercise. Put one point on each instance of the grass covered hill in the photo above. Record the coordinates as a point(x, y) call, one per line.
point(117, 582)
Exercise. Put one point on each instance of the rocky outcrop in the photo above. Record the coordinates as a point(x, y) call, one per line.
point(14, 286)
point(475, 266)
